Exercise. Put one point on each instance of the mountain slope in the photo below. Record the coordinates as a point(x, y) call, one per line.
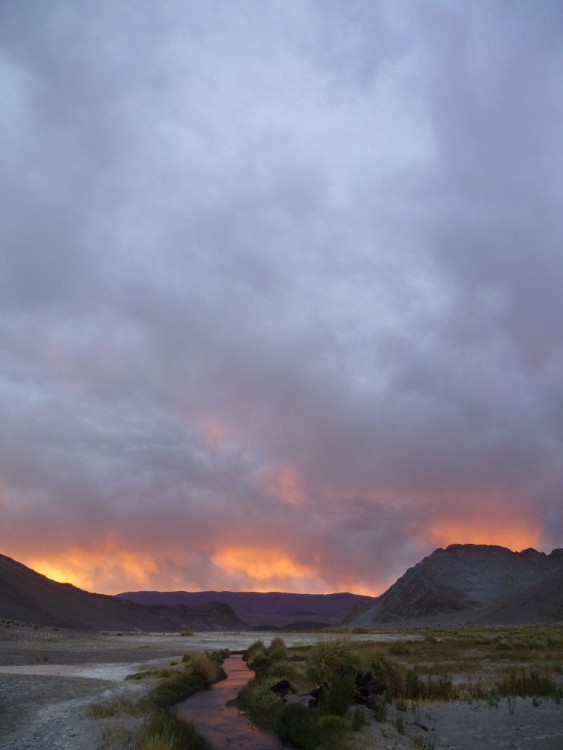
point(542, 602)
point(263, 609)
point(30, 597)
point(462, 578)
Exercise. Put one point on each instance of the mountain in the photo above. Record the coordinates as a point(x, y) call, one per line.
point(267, 610)
point(30, 597)
point(471, 583)
point(540, 603)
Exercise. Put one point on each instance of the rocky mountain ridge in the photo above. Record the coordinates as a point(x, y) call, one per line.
point(466, 582)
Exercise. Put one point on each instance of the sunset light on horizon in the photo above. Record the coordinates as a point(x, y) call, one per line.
point(280, 289)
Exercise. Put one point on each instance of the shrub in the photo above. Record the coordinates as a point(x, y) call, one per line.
point(117, 708)
point(391, 674)
point(338, 695)
point(203, 667)
point(174, 689)
point(299, 726)
point(117, 738)
point(257, 647)
point(424, 743)
point(527, 683)
point(277, 649)
point(260, 701)
point(260, 658)
point(165, 731)
point(380, 711)
point(284, 670)
point(331, 658)
point(359, 719)
point(399, 648)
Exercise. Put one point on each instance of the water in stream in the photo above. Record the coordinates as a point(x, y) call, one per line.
point(226, 726)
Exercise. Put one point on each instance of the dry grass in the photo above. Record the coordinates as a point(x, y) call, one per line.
point(205, 668)
point(165, 731)
point(467, 663)
point(118, 738)
point(105, 710)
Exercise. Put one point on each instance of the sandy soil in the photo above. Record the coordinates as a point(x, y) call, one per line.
point(477, 726)
point(48, 683)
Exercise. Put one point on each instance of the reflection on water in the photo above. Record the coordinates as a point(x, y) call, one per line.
point(225, 726)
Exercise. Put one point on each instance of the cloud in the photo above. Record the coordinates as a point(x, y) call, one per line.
point(279, 289)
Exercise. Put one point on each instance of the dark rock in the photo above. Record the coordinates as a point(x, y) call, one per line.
point(368, 684)
point(282, 688)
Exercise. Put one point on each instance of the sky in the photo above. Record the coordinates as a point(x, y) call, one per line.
point(281, 288)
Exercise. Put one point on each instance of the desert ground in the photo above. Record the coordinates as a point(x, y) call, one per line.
point(49, 681)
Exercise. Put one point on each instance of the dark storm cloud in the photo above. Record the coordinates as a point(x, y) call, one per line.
point(278, 278)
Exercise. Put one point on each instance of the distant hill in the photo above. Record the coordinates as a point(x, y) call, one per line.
point(274, 609)
point(27, 596)
point(471, 583)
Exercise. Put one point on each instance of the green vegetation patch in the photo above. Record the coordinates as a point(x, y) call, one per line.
point(165, 731)
point(328, 670)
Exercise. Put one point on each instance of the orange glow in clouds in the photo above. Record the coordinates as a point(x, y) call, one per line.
point(516, 535)
point(260, 565)
point(290, 487)
point(101, 571)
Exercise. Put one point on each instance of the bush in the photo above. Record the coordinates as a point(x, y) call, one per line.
point(284, 670)
point(203, 667)
point(380, 711)
point(399, 648)
point(258, 698)
point(387, 671)
point(400, 723)
point(277, 650)
point(116, 708)
point(331, 658)
point(528, 683)
point(338, 695)
point(175, 689)
point(359, 719)
point(299, 726)
point(260, 658)
point(308, 730)
point(257, 647)
point(165, 731)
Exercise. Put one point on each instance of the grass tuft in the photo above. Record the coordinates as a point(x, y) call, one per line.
point(165, 731)
point(528, 682)
point(115, 708)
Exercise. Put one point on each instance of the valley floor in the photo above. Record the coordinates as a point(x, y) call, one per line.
point(49, 680)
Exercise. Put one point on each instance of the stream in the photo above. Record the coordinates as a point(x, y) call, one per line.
point(226, 726)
